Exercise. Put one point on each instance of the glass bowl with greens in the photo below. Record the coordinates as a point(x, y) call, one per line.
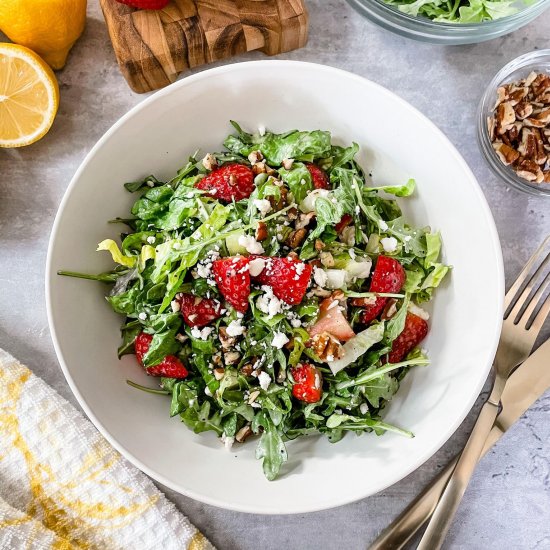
point(451, 22)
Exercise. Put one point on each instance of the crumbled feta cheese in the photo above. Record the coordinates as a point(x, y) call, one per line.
point(336, 278)
point(151, 239)
point(263, 205)
point(383, 225)
point(235, 328)
point(142, 316)
point(175, 305)
point(279, 340)
point(357, 210)
point(364, 408)
point(389, 244)
point(207, 391)
point(227, 441)
point(296, 323)
point(256, 266)
point(269, 303)
point(417, 310)
point(201, 334)
point(251, 244)
point(320, 276)
point(261, 130)
point(308, 204)
point(264, 380)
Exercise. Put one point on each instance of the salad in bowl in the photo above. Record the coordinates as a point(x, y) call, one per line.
point(273, 290)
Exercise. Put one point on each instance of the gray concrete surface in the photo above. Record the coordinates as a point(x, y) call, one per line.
point(508, 502)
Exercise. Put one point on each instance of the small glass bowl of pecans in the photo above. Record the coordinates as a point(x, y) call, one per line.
point(514, 123)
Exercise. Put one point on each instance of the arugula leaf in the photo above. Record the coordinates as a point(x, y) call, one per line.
point(405, 190)
point(271, 448)
point(298, 180)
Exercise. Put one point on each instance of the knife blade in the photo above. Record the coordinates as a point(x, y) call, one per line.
point(529, 381)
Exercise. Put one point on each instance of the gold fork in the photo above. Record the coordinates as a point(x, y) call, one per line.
point(524, 315)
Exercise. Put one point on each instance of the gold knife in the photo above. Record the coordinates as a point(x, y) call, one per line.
point(530, 380)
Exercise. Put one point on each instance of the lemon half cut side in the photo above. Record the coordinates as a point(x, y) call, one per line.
point(29, 96)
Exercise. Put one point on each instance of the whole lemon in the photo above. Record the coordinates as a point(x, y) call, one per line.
point(48, 27)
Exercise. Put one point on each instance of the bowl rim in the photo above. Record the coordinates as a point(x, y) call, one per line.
point(493, 23)
point(526, 62)
point(490, 347)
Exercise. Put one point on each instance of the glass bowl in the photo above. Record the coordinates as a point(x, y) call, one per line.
point(423, 29)
point(538, 61)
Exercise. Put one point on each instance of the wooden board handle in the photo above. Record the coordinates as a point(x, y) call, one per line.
point(154, 47)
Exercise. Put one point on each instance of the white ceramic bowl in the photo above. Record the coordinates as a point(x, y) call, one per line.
point(397, 142)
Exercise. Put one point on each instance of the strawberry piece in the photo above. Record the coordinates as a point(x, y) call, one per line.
point(145, 4)
point(287, 277)
point(343, 223)
point(170, 366)
point(197, 311)
point(332, 320)
point(388, 276)
point(231, 181)
point(318, 176)
point(233, 280)
point(308, 383)
point(414, 332)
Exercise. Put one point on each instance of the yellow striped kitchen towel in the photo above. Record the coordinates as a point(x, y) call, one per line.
point(62, 486)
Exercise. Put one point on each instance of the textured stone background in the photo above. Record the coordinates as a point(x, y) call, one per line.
point(508, 502)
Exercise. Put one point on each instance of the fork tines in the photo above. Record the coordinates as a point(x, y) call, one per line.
point(527, 301)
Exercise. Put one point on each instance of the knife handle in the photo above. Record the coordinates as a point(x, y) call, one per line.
point(447, 506)
point(418, 512)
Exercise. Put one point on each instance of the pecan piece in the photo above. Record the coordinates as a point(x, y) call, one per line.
point(327, 347)
point(296, 238)
point(261, 232)
point(226, 341)
point(243, 433)
point(506, 154)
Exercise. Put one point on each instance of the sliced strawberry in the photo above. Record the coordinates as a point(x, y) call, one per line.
point(288, 277)
point(308, 383)
point(343, 223)
point(318, 176)
point(233, 280)
point(231, 181)
point(170, 366)
point(197, 311)
point(414, 332)
point(332, 320)
point(388, 276)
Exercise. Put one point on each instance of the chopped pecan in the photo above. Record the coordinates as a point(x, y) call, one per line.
point(505, 116)
point(327, 347)
point(261, 232)
point(255, 156)
point(296, 238)
point(304, 220)
point(523, 110)
point(507, 154)
point(319, 245)
point(287, 163)
point(219, 373)
point(292, 214)
point(226, 341)
point(231, 357)
point(247, 369)
point(243, 433)
point(209, 161)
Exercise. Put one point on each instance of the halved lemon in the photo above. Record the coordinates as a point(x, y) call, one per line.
point(29, 96)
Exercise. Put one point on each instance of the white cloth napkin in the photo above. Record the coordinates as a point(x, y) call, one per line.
point(62, 486)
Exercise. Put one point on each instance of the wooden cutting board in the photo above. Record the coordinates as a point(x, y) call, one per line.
point(154, 47)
